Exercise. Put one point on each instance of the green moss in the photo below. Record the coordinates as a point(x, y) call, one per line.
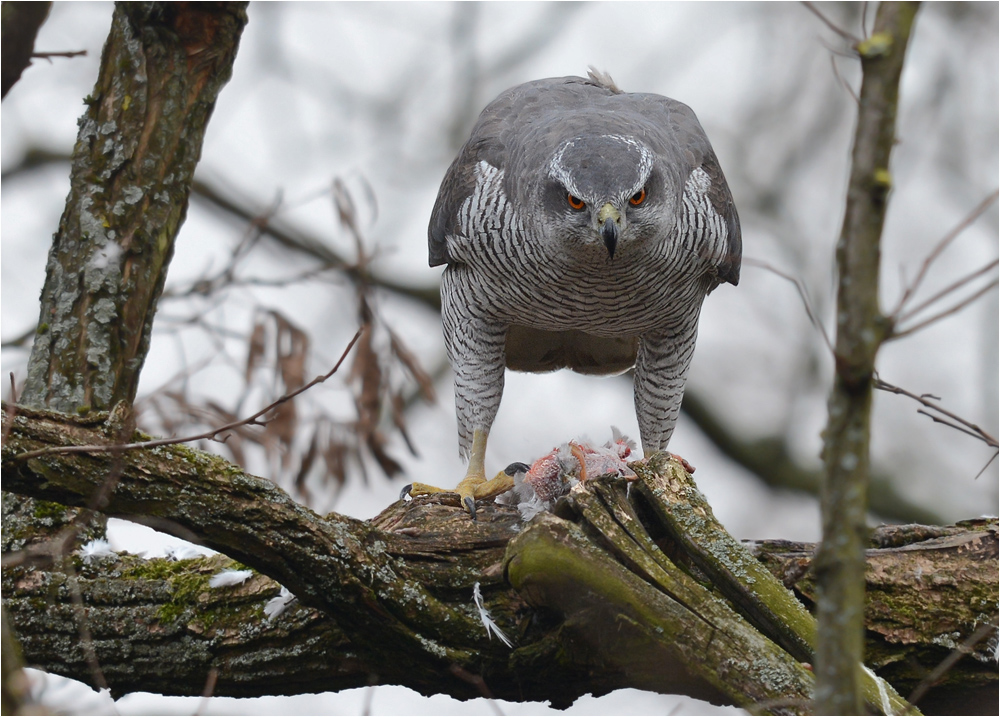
point(46, 509)
point(186, 583)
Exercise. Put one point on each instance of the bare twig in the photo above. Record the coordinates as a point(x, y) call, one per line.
point(800, 287)
point(953, 309)
point(941, 246)
point(842, 81)
point(479, 683)
point(13, 409)
point(925, 400)
point(82, 625)
point(21, 339)
point(207, 435)
point(67, 53)
point(954, 286)
point(983, 632)
point(210, 681)
point(987, 465)
point(811, 7)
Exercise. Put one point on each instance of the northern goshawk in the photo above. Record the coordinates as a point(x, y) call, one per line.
point(581, 227)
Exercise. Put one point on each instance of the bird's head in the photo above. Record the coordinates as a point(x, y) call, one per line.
point(604, 192)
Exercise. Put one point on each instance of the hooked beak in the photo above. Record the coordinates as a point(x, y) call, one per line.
point(608, 219)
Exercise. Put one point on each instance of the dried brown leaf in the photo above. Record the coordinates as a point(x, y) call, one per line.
point(376, 444)
point(335, 457)
point(306, 464)
point(398, 402)
point(367, 370)
point(256, 347)
point(406, 357)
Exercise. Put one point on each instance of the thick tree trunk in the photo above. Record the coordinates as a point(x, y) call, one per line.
point(603, 594)
point(140, 139)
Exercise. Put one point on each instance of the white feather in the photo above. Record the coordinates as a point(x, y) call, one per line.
point(277, 605)
point(95, 550)
point(229, 577)
point(484, 615)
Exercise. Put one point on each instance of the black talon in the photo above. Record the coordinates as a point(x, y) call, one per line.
point(515, 468)
point(406, 491)
point(470, 505)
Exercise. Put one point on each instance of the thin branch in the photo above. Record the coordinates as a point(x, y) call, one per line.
point(20, 340)
point(948, 289)
point(207, 286)
point(952, 310)
point(925, 400)
point(208, 691)
point(68, 53)
point(987, 465)
point(82, 625)
point(207, 435)
point(842, 81)
point(800, 287)
point(983, 632)
point(811, 7)
point(941, 246)
point(943, 422)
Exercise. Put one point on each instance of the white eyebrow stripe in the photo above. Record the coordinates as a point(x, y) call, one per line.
point(559, 172)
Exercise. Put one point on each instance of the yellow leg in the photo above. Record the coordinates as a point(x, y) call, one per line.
point(476, 475)
point(474, 486)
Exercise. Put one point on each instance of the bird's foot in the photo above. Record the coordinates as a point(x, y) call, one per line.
point(472, 488)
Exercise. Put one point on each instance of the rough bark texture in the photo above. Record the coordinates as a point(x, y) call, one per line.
point(598, 596)
point(840, 563)
point(139, 141)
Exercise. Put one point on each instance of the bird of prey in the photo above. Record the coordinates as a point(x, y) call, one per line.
point(580, 227)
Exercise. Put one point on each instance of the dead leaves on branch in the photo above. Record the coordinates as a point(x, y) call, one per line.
point(310, 443)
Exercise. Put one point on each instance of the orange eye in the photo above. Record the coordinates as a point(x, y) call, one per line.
point(637, 198)
point(575, 202)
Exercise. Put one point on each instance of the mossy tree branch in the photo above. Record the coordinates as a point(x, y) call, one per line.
point(861, 328)
point(600, 596)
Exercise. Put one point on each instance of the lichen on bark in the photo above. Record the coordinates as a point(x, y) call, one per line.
point(139, 141)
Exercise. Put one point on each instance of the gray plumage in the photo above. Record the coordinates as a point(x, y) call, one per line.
point(581, 228)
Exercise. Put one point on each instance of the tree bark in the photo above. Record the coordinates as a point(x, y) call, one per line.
point(598, 596)
point(140, 139)
point(861, 328)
